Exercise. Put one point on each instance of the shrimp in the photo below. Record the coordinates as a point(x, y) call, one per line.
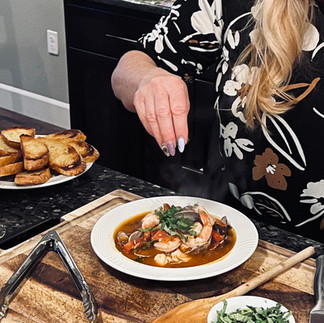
point(150, 220)
point(203, 238)
point(175, 257)
point(162, 259)
point(207, 222)
point(178, 256)
point(197, 227)
point(167, 244)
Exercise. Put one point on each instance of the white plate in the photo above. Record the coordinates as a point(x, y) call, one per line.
point(237, 302)
point(54, 180)
point(102, 240)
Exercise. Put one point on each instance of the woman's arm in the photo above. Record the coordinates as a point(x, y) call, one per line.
point(160, 98)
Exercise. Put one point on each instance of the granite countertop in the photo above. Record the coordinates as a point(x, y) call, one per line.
point(156, 3)
point(155, 6)
point(27, 212)
point(23, 209)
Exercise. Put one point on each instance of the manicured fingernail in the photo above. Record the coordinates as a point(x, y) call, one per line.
point(171, 148)
point(181, 144)
point(165, 150)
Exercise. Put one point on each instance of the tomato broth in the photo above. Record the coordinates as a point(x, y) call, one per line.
point(203, 257)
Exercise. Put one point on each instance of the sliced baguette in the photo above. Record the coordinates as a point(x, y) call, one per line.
point(35, 153)
point(63, 158)
point(33, 178)
point(5, 149)
point(11, 169)
point(75, 134)
point(11, 136)
point(9, 159)
point(89, 153)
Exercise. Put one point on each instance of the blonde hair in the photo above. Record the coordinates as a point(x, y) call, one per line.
point(278, 35)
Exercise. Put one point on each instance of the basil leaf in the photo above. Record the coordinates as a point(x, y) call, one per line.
point(251, 314)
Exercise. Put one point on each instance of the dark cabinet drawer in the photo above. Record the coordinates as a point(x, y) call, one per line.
point(109, 32)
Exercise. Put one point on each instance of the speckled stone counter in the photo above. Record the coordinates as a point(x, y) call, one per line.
point(156, 6)
point(22, 210)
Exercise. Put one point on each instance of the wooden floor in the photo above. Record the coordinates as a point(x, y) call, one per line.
point(12, 119)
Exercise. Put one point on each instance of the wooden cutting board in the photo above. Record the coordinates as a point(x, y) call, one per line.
point(49, 294)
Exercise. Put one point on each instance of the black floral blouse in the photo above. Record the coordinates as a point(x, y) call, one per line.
point(276, 172)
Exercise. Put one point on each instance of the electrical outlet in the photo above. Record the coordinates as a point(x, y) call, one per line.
point(52, 42)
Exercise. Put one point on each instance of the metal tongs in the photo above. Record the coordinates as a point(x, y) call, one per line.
point(317, 313)
point(50, 242)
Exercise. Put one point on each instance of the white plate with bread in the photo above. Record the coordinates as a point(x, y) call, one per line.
point(9, 183)
point(28, 160)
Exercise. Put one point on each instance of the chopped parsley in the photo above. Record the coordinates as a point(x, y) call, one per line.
point(174, 225)
point(148, 229)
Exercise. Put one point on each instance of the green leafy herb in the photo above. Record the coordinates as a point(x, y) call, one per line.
point(192, 232)
point(175, 226)
point(148, 229)
point(170, 231)
point(250, 314)
point(184, 224)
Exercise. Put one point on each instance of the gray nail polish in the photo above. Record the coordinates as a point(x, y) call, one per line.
point(165, 150)
point(181, 144)
point(171, 148)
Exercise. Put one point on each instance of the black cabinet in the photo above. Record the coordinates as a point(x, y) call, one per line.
point(95, 110)
point(97, 36)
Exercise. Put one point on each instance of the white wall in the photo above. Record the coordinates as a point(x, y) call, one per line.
point(32, 81)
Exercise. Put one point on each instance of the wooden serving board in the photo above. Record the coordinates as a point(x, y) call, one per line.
point(49, 294)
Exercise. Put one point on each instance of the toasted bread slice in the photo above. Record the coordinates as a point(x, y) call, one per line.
point(63, 158)
point(33, 178)
point(89, 153)
point(11, 169)
point(35, 153)
point(9, 159)
point(75, 134)
point(11, 136)
point(5, 149)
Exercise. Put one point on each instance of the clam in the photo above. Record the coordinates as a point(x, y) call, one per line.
point(122, 237)
point(135, 235)
point(188, 214)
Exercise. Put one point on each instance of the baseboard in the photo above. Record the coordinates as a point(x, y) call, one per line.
point(35, 106)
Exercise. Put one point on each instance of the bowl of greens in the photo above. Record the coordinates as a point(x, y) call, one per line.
point(249, 309)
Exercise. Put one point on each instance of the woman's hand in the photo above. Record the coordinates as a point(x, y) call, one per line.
point(160, 99)
point(162, 104)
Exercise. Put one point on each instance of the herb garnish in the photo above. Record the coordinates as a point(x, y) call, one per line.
point(148, 229)
point(174, 225)
point(251, 314)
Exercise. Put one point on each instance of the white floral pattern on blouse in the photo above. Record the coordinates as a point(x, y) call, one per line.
point(276, 172)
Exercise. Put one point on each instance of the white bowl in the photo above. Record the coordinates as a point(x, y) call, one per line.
point(103, 243)
point(237, 302)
